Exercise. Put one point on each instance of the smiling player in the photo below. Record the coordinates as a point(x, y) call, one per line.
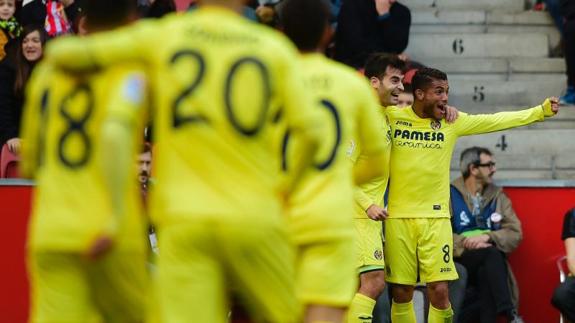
point(418, 230)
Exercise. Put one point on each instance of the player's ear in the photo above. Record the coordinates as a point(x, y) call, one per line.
point(419, 94)
point(375, 82)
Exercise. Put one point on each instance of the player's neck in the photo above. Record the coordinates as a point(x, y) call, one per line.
point(234, 5)
point(472, 185)
point(419, 110)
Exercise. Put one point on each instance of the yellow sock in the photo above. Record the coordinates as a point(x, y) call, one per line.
point(440, 316)
point(402, 312)
point(361, 309)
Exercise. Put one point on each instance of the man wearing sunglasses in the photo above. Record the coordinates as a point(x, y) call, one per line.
point(485, 230)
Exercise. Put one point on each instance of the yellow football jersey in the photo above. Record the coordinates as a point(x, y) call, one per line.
point(62, 119)
point(219, 80)
point(348, 107)
point(421, 156)
point(372, 192)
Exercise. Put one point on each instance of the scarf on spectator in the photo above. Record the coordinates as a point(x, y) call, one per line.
point(12, 27)
point(56, 21)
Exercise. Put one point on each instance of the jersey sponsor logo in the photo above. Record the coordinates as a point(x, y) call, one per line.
point(403, 123)
point(378, 254)
point(445, 270)
point(419, 135)
point(437, 207)
point(427, 139)
point(435, 125)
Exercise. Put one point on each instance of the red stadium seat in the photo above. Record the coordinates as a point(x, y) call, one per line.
point(8, 163)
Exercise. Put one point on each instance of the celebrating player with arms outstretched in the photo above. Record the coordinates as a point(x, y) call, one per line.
point(418, 230)
point(219, 80)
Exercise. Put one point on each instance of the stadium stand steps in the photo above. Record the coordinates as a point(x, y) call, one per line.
point(496, 55)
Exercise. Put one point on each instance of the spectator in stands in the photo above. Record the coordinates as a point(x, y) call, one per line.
point(56, 15)
point(14, 74)
point(145, 168)
point(368, 26)
point(485, 229)
point(568, 10)
point(564, 296)
point(405, 98)
point(10, 28)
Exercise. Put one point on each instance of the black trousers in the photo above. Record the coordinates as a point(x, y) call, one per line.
point(569, 43)
point(487, 273)
point(564, 298)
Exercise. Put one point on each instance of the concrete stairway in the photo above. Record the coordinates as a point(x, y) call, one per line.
point(496, 56)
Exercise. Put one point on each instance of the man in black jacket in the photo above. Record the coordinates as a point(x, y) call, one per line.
point(568, 11)
point(368, 26)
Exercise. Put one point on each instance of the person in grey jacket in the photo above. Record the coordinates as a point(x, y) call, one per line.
point(485, 230)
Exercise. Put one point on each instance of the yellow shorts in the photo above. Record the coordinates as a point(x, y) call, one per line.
point(202, 264)
point(424, 244)
point(324, 274)
point(369, 245)
point(67, 288)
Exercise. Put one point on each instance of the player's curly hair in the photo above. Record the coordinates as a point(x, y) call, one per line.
point(377, 63)
point(425, 76)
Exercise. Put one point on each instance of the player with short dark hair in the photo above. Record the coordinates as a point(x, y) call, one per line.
point(419, 241)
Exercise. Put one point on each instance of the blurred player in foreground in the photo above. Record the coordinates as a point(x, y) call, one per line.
point(86, 255)
point(321, 208)
point(218, 81)
point(419, 241)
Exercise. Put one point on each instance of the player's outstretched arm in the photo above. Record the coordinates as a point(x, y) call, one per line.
point(128, 44)
point(485, 123)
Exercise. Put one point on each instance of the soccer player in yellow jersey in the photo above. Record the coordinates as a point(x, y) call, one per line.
point(385, 73)
point(86, 259)
point(418, 230)
point(320, 209)
point(218, 81)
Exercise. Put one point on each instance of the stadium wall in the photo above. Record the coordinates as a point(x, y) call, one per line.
point(540, 206)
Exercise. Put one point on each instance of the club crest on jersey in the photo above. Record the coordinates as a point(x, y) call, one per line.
point(435, 125)
point(378, 254)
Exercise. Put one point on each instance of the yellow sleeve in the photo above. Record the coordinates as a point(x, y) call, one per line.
point(131, 43)
point(362, 199)
point(35, 110)
point(369, 137)
point(125, 116)
point(484, 123)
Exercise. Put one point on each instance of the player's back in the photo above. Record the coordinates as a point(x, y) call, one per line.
point(221, 79)
point(348, 112)
point(62, 123)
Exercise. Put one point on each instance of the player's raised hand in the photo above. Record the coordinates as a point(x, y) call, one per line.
point(451, 114)
point(554, 104)
point(550, 106)
point(376, 213)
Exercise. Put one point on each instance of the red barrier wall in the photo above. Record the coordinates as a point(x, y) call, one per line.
point(14, 210)
point(541, 211)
